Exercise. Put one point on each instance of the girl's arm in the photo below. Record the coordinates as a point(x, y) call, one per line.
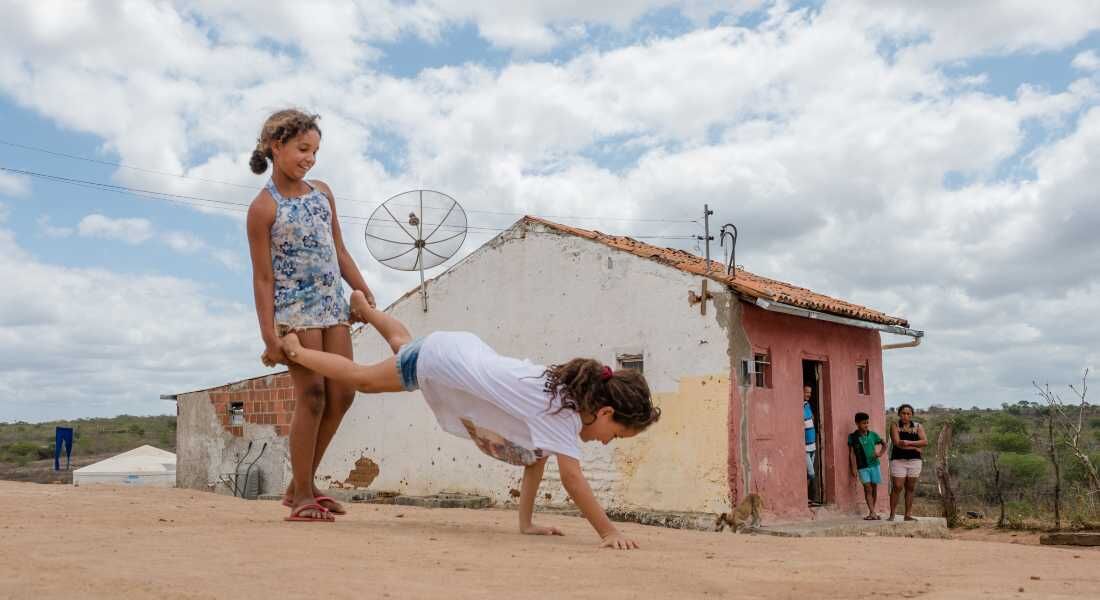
point(895, 437)
point(572, 478)
point(348, 269)
point(261, 214)
point(923, 441)
point(532, 477)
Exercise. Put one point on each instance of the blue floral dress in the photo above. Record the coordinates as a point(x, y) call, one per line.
point(308, 289)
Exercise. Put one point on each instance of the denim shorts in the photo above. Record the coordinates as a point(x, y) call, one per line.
point(406, 364)
point(870, 475)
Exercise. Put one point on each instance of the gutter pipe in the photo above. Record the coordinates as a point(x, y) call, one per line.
point(779, 307)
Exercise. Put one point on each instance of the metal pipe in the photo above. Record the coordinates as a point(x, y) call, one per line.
point(813, 314)
point(913, 343)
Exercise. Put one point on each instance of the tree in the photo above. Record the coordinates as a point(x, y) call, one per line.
point(1073, 426)
point(943, 475)
point(1052, 454)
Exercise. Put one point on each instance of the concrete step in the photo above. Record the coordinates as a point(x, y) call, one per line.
point(1071, 538)
point(923, 527)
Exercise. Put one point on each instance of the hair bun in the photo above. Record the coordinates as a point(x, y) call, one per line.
point(258, 162)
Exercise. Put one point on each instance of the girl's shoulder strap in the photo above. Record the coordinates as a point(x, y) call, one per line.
point(273, 190)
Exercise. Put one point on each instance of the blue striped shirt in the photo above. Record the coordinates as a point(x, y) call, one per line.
point(808, 420)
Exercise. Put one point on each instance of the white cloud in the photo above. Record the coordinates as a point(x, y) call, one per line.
point(183, 242)
point(52, 231)
point(131, 231)
point(945, 31)
point(229, 259)
point(1088, 60)
point(14, 186)
point(80, 342)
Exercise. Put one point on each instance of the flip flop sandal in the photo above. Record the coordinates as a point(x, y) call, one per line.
point(321, 499)
point(295, 515)
point(287, 502)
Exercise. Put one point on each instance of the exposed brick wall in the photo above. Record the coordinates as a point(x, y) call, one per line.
point(267, 400)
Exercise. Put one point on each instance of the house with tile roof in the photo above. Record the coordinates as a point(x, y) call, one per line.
point(727, 355)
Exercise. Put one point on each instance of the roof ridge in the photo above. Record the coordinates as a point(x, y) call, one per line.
point(744, 281)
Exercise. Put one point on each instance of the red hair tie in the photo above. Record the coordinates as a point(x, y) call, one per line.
point(607, 373)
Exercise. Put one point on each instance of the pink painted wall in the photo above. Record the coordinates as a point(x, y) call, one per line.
point(775, 442)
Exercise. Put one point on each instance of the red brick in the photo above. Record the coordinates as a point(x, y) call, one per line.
point(282, 430)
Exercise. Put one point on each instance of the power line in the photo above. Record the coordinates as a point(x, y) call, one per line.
point(253, 187)
point(229, 205)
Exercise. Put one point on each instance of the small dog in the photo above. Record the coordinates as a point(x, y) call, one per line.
point(749, 508)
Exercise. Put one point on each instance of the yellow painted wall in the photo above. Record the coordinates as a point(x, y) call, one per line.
point(681, 461)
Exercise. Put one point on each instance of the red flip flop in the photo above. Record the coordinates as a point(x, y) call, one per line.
point(287, 502)
point(320, 499)
point(295, 515)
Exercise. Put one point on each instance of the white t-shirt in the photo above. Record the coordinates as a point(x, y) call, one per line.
point(496, 401)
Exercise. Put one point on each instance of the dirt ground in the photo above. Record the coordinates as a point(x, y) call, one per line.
point(57, 541)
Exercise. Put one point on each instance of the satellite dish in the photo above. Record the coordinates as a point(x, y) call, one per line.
point(416, 230)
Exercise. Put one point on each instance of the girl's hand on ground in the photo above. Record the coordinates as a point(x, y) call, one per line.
point(617, 541)
point(536, 530)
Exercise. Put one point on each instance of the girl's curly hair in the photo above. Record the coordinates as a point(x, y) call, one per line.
point(584, 385)
point(280, 127)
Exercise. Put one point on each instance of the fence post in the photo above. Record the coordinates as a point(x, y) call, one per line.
point(943, 475)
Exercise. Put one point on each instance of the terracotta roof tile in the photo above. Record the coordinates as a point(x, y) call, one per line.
point(745, 283)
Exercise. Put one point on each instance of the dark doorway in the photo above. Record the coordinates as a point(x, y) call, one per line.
point(813, 377)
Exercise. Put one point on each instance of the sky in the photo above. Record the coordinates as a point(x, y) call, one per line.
point(935, 160)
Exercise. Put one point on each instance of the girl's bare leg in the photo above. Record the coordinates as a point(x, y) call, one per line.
point(369, 379)
point(309, 387)
point(910, 491)
point(394, 331)
point(897, 484)
point(338, 399)
point(340, 393)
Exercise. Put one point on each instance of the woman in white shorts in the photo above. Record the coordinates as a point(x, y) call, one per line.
point(905, 460)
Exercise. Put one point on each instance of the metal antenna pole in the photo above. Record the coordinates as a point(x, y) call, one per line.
point(420, 253)
point(708, 238)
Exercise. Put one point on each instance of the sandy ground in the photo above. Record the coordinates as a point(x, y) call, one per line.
point(97, 542)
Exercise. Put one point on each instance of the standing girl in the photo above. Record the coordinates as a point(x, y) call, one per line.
point(298, 261)
point(905, 460)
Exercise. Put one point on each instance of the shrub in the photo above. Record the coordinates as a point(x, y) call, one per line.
point(1003, 441)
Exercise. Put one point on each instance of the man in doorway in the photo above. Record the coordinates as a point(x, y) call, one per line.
point(811, 435)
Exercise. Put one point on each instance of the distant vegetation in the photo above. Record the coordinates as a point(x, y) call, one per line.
point(1001, 465)
point(22, 443)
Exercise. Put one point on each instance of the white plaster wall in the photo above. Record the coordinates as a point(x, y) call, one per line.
point(539, 294)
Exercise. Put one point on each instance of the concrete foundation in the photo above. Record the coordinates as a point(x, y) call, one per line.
point(1071, 538)
point(923, 527)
